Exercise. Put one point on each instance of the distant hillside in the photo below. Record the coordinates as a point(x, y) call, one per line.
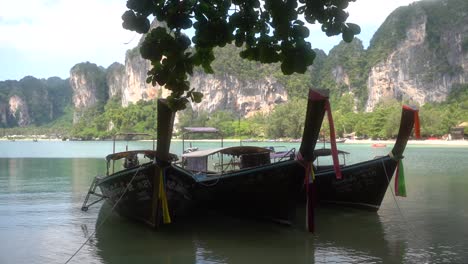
point(418, 55)
point(32, 101)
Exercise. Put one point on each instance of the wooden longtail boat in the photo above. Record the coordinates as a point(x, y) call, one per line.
point(363, 185)
point(161, 190)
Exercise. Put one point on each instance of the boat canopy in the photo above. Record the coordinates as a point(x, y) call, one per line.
point(234, 151)
point(120, 155)
point(151, 154)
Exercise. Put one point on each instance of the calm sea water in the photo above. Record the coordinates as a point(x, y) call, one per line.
point(43, 184)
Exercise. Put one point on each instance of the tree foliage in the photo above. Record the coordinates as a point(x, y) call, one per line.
point(269, 31)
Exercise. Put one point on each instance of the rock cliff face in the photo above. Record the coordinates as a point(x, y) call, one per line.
point(422, 54)
point(89, 87)
point(418, 70)
point(221, 91)
point(227, 92)
point(135, 87)
point(19, 111)
point(32, 101)
point(115, 78)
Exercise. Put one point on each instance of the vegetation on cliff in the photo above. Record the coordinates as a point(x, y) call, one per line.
point(45, 100)
point(286, 121)
point(268, 32)
point(344, 71)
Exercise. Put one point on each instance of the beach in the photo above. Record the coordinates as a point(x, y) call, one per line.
point(440, 142)
point(412, 142)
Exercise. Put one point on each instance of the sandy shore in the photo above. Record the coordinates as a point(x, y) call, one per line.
point(413, 142)
point(348, 141)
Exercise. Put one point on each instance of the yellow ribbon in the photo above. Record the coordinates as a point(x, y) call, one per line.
point(163, 198)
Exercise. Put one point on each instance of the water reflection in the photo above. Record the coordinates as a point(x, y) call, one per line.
point(347, 236)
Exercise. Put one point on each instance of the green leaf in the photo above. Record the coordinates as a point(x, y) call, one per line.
point(347, 35)
point(197, 97)
point(354, 28)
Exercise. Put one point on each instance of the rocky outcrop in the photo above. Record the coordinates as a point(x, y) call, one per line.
point(340, 75)
point(88, 83)
point(419, 71)
point(18, 110)
point(135, 87)
point(418, 57)
point(115, 78)
point(221, 91)
point(227, 92)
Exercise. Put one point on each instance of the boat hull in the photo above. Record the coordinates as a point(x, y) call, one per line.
point(264, 192)
point(136, 201)
point(363, 185)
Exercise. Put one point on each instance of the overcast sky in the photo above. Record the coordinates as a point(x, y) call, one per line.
point(45, 38)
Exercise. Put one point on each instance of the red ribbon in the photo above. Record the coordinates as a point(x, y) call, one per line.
point(309, 188)
point(417, 128)
point(336, 163)
point(310, 204)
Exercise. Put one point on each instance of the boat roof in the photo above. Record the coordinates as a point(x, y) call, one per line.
point(234, 151)
point(132, 134)
point(327, 152)
point(201, 129)
point(151, 154)
point(121, 155)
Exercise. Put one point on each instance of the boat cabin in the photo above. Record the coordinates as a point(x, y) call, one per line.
point(221, 160)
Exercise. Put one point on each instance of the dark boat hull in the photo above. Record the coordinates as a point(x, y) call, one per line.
point(136, 201)
point(363, 184)
point(266, 192)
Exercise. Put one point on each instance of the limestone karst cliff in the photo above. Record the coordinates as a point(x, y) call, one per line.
point(19, 110)
point(88, 82)
point(417, 55)
point(32, 101)
point(115, 79)
point(429, 60)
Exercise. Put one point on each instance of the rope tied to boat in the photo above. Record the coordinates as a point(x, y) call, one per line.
point(107, 216)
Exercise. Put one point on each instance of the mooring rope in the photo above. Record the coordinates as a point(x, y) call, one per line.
point(107, 216)
point(407, 224)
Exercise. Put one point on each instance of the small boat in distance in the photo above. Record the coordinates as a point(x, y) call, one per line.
point(379, 145)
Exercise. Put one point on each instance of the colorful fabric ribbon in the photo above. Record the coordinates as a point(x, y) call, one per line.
point(336, 163)
point(309, 181)
point(417, 127)
point(400, 185)
point(163, 198)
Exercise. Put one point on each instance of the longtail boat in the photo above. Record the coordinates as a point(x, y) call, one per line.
point(245, 180)
point(363, 185)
